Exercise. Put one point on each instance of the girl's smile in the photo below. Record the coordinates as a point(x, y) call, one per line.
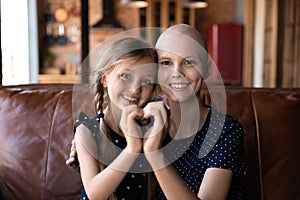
point(130, 82)
point(130, 98)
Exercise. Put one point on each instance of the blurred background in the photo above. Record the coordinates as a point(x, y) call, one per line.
point(254, 43)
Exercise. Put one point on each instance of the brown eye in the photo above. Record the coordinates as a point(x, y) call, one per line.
point(189, 62)
point(165, 63)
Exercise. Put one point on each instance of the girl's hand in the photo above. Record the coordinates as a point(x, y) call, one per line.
point(154, 137)
point(131, 130)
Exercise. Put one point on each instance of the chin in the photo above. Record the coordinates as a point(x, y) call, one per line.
point(180, 97)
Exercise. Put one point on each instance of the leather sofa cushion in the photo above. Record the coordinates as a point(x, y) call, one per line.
point(278, 124)
point(36, 129)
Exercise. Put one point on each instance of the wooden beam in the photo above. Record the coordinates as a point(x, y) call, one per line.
point(150, 14)
point(164, 14)
point(270, 46)
point(178, 12)
point(192, 20)
point(248, 44)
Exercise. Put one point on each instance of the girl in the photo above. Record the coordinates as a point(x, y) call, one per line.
point(123, 82)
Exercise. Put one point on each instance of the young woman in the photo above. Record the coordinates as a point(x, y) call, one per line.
point(202, 156)
point(210, 163)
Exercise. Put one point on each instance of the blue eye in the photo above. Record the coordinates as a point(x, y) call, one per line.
point(146, 82)
point(125, 76)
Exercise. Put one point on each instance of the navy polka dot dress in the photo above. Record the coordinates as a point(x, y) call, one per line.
point(219, 144)
point(134, 185)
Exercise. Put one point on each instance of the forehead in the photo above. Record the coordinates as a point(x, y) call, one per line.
point(144, 64)
point(164, 54)
point(179, 44)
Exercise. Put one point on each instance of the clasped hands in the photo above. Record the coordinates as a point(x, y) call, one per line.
point(148, 138)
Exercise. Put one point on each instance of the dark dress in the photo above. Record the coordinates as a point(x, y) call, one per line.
point(134, 185)
point(224, 150)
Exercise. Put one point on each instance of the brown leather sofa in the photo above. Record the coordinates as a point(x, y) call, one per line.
point(36, 128)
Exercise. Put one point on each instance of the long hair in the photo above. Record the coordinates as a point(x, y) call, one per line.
point(109, 56)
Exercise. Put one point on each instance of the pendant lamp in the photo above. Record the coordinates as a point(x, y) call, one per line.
point(194, 3)
point(135, 3)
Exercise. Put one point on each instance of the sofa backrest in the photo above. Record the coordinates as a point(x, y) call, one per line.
point(271, 122)
point(35, 132)
point(36, 128)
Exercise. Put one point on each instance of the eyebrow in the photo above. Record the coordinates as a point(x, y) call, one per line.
point(164, 57)
point(130, 70)
point(191, 58)
point(185, 58)
point(149, 76)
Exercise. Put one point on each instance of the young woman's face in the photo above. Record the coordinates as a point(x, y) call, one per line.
point(178, 77)
point(131, 82)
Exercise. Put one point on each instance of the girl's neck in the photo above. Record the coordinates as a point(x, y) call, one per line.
point(112, 119)
point(186, 118)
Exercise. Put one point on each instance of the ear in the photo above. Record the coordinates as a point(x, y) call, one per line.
point(104, 79)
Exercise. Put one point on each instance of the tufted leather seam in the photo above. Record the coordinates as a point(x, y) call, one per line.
point(258, 145)
point(48, 145)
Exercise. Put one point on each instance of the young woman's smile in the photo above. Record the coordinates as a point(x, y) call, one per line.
point(178, 77)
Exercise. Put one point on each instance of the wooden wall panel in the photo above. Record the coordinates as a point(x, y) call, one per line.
point(270, 46)
point(290, 45)
point(221, 11)
point(248, 44)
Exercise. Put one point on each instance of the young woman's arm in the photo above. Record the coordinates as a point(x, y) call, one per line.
point(215, 184)
point(171, 183)
point(72, 160)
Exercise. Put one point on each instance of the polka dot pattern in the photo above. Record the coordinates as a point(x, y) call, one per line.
point(227, 153)
point(224, 150)
point(134, 185)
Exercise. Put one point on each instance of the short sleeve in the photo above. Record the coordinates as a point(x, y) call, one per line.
point(90, 138)
point(228, 153)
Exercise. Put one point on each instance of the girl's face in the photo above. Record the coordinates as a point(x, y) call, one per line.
point(179, 77)
point(130, 82)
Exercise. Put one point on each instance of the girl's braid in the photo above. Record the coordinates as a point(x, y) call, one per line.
point(99, 96)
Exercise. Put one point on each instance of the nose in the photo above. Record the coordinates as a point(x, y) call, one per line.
point(177, 75)
point(135, 86)
point(177, 71)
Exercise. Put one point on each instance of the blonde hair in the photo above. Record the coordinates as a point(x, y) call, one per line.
point(110, 55)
